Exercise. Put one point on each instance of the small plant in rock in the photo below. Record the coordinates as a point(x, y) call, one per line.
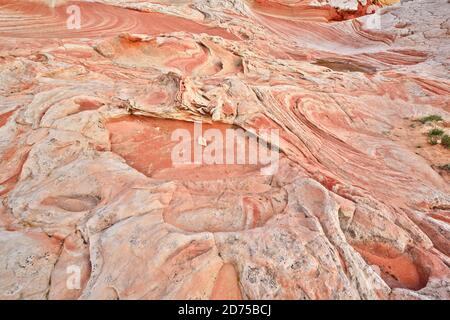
point(434, 135)
point(430, 118)
point(435, 132)
point(445, 141)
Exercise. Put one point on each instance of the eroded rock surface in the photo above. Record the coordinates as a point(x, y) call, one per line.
point(93, 207)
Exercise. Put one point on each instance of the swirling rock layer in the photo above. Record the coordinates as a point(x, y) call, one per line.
point(93, 207)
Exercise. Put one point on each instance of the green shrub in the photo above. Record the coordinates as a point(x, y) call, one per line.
point(445, 141)
point(430, 118)
point(445, 167)
point(435, 132)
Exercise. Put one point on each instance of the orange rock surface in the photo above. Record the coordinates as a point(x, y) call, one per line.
point(92, 205)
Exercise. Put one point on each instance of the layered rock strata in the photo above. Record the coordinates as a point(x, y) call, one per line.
point(354, 210)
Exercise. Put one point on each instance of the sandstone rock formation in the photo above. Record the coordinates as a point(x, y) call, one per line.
point(357, 207)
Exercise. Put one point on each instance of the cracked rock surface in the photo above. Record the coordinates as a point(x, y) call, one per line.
point(92, 207)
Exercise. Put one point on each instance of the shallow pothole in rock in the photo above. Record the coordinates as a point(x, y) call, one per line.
point(398, 270)
point(345, 65)
point(148, 145)
point(75, 203)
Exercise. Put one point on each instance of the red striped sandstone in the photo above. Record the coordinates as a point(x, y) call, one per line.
point(354, 211)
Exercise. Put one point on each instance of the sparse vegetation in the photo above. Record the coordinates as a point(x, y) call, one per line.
point(445, 167)
point(435, 132)
point(445, 141)
point(434, 135)
point(430, 118)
